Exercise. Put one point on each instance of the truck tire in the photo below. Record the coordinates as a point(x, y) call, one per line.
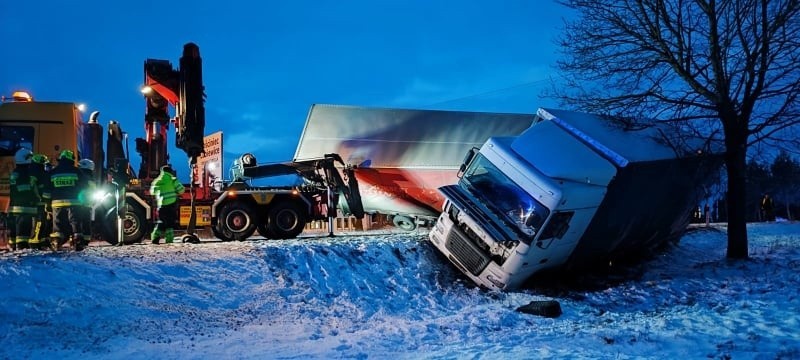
point(216, 232)
point(263, 230)
point(135, 225)
point(404, 222)
point(237, 221)
point(286, 220)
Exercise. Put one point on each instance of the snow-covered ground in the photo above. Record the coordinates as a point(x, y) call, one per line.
point(391, 296)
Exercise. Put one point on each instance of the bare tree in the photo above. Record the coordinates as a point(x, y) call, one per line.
point(727, 70)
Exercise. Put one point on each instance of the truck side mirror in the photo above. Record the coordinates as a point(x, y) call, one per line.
point(467, 159)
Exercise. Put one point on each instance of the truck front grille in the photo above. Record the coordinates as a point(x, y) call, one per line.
point(467, 253)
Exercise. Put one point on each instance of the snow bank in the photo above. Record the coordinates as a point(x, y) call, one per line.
point(390, 296)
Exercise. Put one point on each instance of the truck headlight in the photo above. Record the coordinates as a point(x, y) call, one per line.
point(435, 238)
point(495, 281)
point(100, 195)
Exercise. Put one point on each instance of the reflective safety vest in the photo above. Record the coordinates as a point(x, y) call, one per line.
point(24, 191)
point(166, 188)
point(67, 182)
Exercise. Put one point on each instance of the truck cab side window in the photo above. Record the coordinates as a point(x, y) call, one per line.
point(557, 226)
point(12, 138)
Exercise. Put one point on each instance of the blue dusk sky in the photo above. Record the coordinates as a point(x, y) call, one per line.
point(266, 62)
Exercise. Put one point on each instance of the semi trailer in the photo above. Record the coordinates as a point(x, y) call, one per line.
point(402, 156)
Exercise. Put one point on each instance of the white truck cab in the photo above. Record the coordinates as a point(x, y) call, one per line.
point(566, 192)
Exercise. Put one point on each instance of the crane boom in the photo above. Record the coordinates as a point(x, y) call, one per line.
point(183, 89)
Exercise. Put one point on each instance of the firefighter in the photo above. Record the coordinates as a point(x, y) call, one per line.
point(166, 188)
point(43, 221)
point(68, 182)
point(86, 167)
point(24, 199)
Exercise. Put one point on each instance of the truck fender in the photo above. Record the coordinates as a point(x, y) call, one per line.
point(148, 210)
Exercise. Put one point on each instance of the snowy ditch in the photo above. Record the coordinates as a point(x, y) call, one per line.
point(390, 296)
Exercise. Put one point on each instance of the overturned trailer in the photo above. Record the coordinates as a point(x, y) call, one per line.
point(402, 155)
point(570, 192)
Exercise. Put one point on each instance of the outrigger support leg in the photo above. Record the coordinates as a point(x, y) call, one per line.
point(120, 180)
point(331, 211)
point(190, 236)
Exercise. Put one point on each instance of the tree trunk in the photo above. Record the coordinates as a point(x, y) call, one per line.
point(735, 160)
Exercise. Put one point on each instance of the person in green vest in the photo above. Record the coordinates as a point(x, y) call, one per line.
point(166, 188)
point(68, 182)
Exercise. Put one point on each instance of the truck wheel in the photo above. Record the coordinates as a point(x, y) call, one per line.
point(286, 220)
point(264, 231)
point(217, 233)
point(134, 225)
point(404, 223)
point(236, 221)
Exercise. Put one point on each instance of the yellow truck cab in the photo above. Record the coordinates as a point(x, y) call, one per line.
point(44, 127)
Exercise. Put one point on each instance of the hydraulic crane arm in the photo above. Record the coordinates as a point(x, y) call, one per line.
point(320, 170)
point(183, 89)
point(190, 120)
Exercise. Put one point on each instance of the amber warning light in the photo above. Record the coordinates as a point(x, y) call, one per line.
point(18, 96)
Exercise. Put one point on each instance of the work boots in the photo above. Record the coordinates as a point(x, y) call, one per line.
point(169, 235)
point(77, 242)
point(155, 236)
point(55, 242)
point(44, 244)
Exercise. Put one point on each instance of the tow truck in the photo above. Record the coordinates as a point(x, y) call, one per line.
point(281, 212)
point(124, 210)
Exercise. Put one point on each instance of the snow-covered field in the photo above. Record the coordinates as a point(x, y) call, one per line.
point(391, 296)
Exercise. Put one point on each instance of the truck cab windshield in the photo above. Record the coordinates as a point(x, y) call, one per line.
point(506, 199)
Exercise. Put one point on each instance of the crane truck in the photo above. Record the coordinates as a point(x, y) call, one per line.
point(123, 210)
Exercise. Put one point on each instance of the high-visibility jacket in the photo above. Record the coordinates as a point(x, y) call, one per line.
point(166, 188)
point(67, 183)
point(24, 191)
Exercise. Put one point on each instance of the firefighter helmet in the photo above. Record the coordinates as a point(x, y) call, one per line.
point(40, 159)
point(23, 156)
point(67, 154)
point(86, 164)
